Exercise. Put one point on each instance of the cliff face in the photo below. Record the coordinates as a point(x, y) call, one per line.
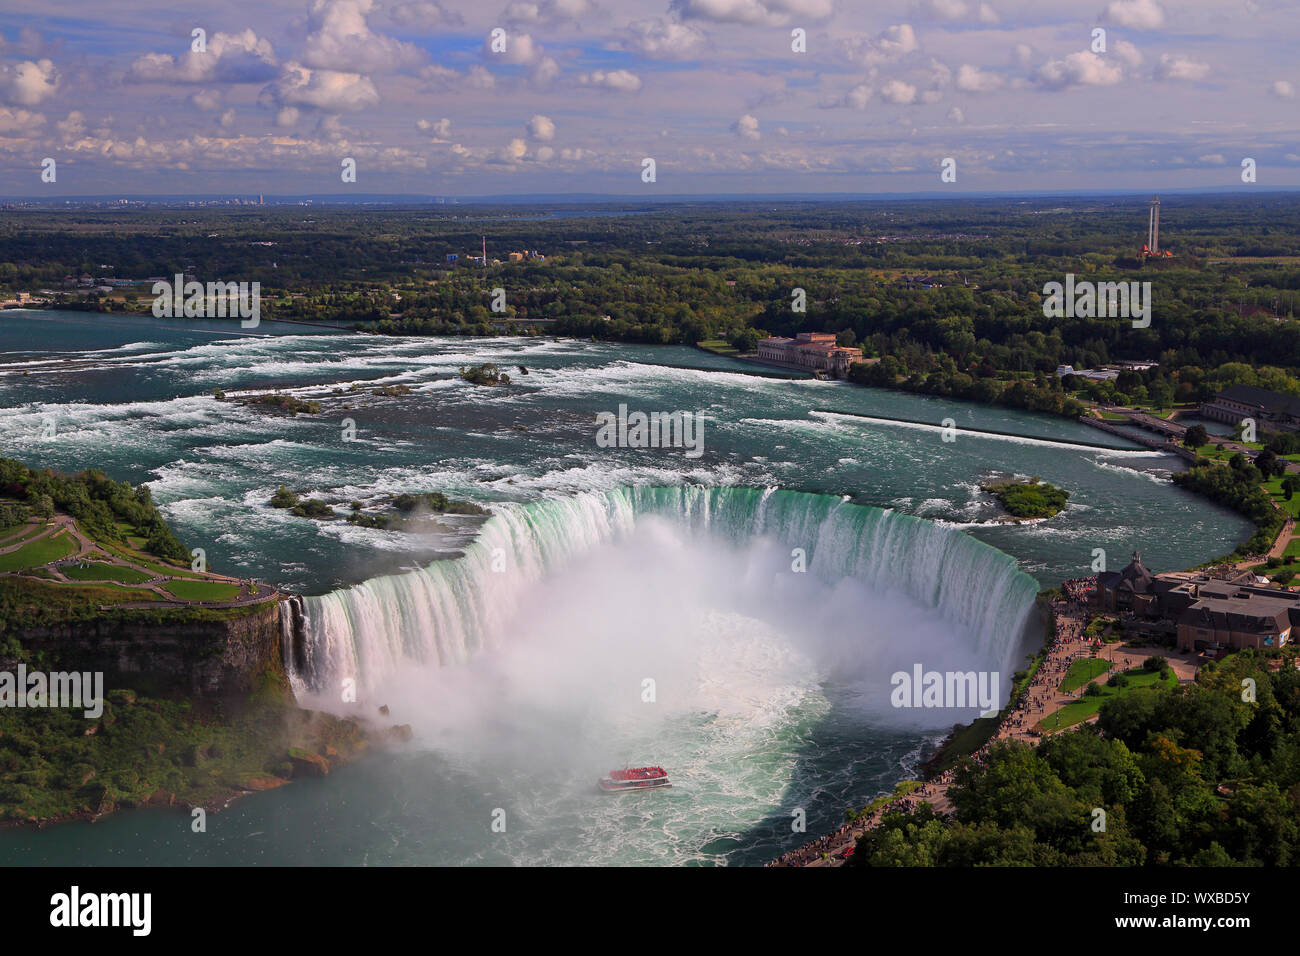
point(202, 659)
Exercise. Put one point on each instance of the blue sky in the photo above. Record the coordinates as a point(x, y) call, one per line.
point(1021, 94)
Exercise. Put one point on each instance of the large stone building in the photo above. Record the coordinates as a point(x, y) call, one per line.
point(1211, 610)
point(815, 351)
point(1271, 410)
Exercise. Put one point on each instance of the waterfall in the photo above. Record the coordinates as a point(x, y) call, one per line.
point(453, 609)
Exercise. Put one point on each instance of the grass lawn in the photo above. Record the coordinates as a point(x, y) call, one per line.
point(1274, 487)
point(202, 590)
point(1293, 549)
point(1082, 671)
point(1083, 708)
point(96, 571)
point(35, 553)
point(719, 347)
point(148, 561)
point(11, 535)
point(1112, 416)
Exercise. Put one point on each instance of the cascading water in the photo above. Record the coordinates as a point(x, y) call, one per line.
point(453, 609)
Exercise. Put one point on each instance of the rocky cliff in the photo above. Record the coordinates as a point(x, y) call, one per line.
point(200, 657)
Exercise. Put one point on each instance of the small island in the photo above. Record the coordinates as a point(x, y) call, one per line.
point(1029, 499)
point(485, 374)
point(404, 512)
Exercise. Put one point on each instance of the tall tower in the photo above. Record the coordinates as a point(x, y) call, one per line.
point(1153, 227)
point(485, 252)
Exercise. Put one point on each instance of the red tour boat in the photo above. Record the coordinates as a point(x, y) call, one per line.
point(635, 778)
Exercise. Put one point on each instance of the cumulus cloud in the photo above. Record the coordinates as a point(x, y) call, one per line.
point(28, 83)
point(891, 44)
point(1283, 89)
point(547, 11)
point(1176, 67)
point(1127, 52)
point(19, 121)
point(442, 79)
point(206, 99)
point(515, 151)
point(439, 129)
point(663, 39)
point(898, 92)
point(1078, 69)
point(746, 127)
point(1138, 14)
point(331, 91)
point(520, 49)
point(956, 115)
point(229, 58)
point(621, 81)
point(773, 13)
point(541, 128)
point(855, 99)
point(971, 79)
point(339, 38)
point(1212, 159)
point(423, 13)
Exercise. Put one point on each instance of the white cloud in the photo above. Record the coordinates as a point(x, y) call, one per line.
point(439, 129)
point(29, 82)
point(72, 126)
point(19, 121)
point(520, 49)
point(971, 79)
point(746, 127)
point(898, 92)
point(423, 13)
point(515, 151)
point(228, 119)
point(442, 79)
point(339, 38)
point(1127, 52)
point(944, 9)
point(1213, 159)
point(1177, 67)
point(544, 154)
point(988, 15)
point(891, 44)
point(663, 39)
point(547, 11)
point(207, 99)
point(1283, 89)
point(620, 81)
point(1078, 69)
point(541, 128)
point(546, 70)
point(1138, 14)
point(229, 58)
point(775, 13)
point(956, 115)
point(332, 91)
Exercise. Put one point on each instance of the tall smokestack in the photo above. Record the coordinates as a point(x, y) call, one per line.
point(485, 252)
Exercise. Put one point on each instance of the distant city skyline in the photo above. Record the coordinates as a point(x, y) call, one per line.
point(559, 97)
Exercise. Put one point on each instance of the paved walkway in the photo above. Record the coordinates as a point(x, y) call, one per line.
point(1039, 700)
point(251, 592)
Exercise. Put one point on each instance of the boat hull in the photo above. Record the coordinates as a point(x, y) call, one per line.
point(609, 785)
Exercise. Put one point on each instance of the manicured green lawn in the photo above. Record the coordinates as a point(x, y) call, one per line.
point(1082, 671)
point(202, 590)
point(720, 347)
point(1274, 487)
point(148, 561)
point(35, 553)
point(98, 571)
point(11, 534)
point(1293, 549)
point(1083, 708)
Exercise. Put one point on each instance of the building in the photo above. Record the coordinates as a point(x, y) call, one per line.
point(815, 351)
point(1210, 610)
point(1094, 374)
point(1268, 409)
